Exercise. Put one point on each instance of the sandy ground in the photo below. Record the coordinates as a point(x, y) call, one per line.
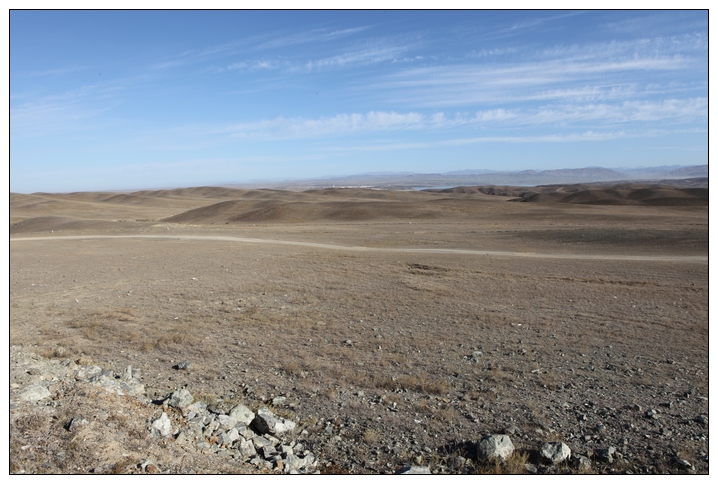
point(407, 334)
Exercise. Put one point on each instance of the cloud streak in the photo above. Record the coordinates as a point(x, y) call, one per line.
point(469, 83)
point(564, 116)
point(339, 125)
point(586, 136)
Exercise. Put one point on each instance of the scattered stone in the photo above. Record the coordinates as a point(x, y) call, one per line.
point(162, 426)
point(197, 407)
point(34, 393)
point(180, 399)
point(277, 401)
point(513, 430)
point(415, 470)
point(132, 388)
point(148, 466)
point(582, 462)
point(702, 419)
point(226, 438)
point(260, 442)
point(108, 382)
point(606, 455)
point(226, 422)
point(652, 413)
point(683, 464)
point(183, 365)
point(292, 463)
point(267, 422)
point(555, 452)
point(182, 438)
point(242, 414)
point(74, 423)
point(531, 469)
point(496, 446)
point(246, 448)
point(127, 374)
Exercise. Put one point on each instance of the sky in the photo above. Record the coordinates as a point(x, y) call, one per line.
point(120, 100)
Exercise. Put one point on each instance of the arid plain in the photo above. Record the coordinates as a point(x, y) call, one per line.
point(401, 326)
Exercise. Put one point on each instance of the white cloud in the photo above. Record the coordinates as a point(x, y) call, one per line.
point(341, 124)
point(600, 70)
point(59, 112)
point(586, 136)
point(369, 55)
point(675, 111)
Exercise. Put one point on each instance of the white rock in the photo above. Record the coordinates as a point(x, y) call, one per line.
point(227, 438)
point(226, 422)
point(34, 393)
point(496, 446)
point(268, 422)
point(163, 425)
point(197, 407)
point(246, 448)
point(242, 414)
point(180, 399)
point(414, 470)
point(556, 452)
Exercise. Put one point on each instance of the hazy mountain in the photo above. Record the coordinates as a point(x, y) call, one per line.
point(689, 171)
point(478, 177)
point(469, 172)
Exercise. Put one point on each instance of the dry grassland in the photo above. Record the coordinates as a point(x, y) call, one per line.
point(410, 356)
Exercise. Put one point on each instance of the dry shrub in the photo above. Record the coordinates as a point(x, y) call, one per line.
point(292, 368)
point(447, 414)
point(516, 463)
point(417, 383)
point(121, 466)
point(211, 399)
point(491, 466)
point(331, 394)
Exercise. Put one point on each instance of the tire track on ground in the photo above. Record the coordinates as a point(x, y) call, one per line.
point(250, 240)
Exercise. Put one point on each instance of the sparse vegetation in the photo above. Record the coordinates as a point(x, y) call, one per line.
point(399, 351)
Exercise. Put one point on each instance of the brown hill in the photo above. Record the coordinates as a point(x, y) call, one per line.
point(636, 196)
point(238, 211)
point(52, 223)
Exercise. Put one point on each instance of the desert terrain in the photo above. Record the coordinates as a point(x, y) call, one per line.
point(401, 327)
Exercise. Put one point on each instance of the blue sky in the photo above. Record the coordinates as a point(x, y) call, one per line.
point(129, 100)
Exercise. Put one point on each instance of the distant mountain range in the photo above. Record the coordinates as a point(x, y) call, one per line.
point(469, 177)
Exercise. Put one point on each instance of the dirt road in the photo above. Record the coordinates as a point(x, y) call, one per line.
point(698, 259)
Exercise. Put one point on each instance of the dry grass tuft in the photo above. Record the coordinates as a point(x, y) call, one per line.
point(371, 436)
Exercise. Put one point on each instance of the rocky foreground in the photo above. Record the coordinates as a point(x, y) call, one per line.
point(74, 417)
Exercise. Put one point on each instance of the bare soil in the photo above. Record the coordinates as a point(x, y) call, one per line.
point(386, 357)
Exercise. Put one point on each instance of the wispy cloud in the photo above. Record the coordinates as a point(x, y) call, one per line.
point(524, 26)
point(469, 84)
point(676, 111)
point(254, 43)
point(341, 124)
point(62, 111)
point(564, 116)
point(317, 35)
point(586, 136)
point(368, 55)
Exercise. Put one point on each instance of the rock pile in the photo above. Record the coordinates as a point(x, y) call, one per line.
point(240, 434)
point(264, 439)
point(63, 410)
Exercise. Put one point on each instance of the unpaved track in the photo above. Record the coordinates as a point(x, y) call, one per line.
point(667, 258)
